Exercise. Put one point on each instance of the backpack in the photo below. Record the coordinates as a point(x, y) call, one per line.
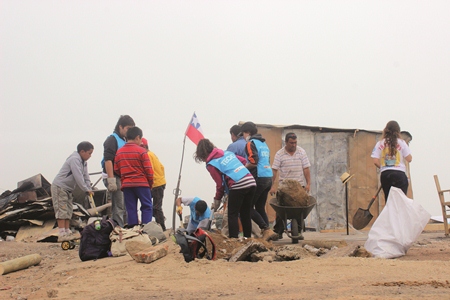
point(195, 245)
point(95, 244)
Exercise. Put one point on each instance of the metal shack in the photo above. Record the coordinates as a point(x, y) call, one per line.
point(331, 152)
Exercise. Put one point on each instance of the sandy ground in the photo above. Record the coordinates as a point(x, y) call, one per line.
point(423, 273)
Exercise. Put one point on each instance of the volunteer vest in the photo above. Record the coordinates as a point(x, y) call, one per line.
point(120, 144)
point(230, 165)
point(263, 167)
point(196, 219)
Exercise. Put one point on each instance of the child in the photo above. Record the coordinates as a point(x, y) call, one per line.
point(159, 185)
point(136, 174)
point(200, 212)
point(73, 172)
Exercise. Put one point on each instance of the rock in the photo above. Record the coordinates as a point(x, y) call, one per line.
point(268, 256)
point(361, 252)
point(245, 251)
point(151, 254)
point(311, 249)
point(351, 250)
point(290, 252)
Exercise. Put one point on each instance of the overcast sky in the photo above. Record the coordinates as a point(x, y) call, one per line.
point(69, 69)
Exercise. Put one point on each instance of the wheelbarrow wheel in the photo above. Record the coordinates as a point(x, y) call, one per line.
point(294, 230)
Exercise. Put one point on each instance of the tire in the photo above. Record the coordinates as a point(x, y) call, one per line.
point(294, 230)
point(65, 245)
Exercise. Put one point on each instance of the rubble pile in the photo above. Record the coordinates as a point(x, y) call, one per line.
point(31, 204)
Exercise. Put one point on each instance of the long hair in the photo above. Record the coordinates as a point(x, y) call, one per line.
point(204, 149)
point(390, 134)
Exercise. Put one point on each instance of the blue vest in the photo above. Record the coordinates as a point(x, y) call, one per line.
point(230, 165)
point(120, 144)
point(263, 167)
point(196, 219)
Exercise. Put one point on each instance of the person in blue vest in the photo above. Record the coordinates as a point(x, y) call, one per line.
point(231, 176)
point(258, 162)
point(200, 212)
point(112, 180)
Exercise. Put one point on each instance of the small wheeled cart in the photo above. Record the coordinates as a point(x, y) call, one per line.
point(69, 245)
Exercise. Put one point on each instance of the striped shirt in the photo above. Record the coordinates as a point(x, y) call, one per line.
point(246, 182)
point(291, 166)
point(133, 165)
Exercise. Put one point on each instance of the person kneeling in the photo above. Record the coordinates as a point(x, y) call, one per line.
point(200, 212)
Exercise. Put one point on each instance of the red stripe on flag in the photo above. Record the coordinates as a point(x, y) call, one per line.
point(193, 134)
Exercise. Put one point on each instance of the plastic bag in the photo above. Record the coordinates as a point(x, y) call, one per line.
point(397, 227)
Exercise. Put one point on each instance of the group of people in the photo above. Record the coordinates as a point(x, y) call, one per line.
point(130, 173)
point(242, 172)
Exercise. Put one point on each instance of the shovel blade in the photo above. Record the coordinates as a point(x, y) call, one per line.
point(362, 218)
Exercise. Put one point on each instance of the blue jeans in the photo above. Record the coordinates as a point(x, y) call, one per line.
point(118, 207)
point(131, 196)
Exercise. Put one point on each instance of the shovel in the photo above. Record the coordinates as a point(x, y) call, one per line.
point(363, 216)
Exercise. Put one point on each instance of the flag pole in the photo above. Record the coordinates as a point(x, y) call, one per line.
point(177, 190)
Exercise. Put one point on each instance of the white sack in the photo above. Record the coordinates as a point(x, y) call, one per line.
point(397, 227)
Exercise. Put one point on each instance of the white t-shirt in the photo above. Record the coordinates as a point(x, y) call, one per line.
point(394, 162)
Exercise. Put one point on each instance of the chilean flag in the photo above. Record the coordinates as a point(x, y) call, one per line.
point(194, 131)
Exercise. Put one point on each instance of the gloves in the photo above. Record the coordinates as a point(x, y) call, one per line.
point(216, 205)
point(179, 210)
point(112, 186)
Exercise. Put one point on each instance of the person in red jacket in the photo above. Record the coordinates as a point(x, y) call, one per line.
point(136, 174)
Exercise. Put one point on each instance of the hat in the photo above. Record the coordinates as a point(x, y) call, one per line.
point(144, 142)
point(345, 177)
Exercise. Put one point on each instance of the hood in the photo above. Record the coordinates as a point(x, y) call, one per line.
point(257, 137)
point(216, 153)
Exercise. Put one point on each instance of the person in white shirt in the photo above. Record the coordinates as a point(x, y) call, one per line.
point(390, 155)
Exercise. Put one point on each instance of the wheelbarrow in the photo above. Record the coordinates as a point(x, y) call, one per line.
point(297, 216)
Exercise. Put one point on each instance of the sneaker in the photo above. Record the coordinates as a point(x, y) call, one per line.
point(269, 235)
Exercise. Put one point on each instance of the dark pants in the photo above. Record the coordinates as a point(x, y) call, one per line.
point(131, 196)
point(394, 178)
point(258, 212)
point(158, 214)
point(239, 205)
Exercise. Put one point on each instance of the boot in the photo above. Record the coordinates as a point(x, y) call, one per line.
point(269, 235)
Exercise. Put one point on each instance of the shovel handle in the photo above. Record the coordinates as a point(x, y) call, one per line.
point(374, 197)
